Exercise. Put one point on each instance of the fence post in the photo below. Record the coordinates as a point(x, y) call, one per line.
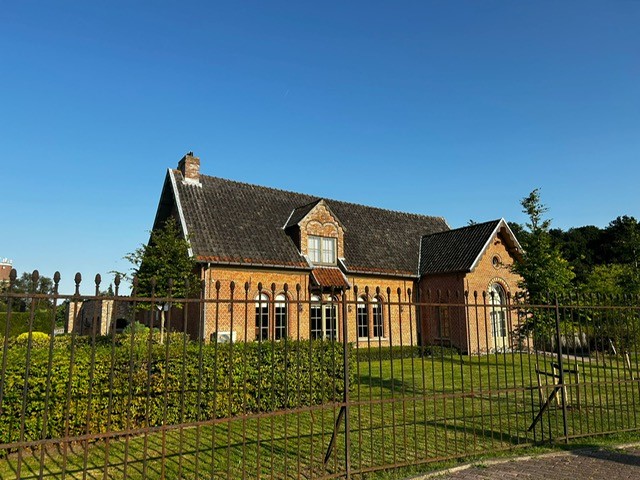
point(345, 395)
point(563, 390)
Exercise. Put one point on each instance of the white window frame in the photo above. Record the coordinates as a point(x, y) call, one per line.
point(262, 317)
point(280, 318)
point(362, 312)
point(322, 311)
point(320, 248)
point(377, 314)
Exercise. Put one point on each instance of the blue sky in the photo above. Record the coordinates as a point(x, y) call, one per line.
point(448, 108)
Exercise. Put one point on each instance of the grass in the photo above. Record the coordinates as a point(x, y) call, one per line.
point(406, 416)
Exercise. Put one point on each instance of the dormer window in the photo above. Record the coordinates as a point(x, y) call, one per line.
point(322, 250)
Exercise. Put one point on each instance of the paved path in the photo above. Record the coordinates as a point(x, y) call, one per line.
point(594, 464)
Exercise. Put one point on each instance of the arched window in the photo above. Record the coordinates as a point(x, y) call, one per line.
point(262, 317)
point(362, 318)
point(316, 318)
point(323, 318)
point(378, 318)
point(498, 315)
point(280, 327)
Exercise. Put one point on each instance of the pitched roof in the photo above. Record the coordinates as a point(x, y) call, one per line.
point(330, 277)
point(457, 250)
point(239, 223)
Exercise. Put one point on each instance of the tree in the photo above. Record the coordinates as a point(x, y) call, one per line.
point(541, 266)
point(25, 284)
point(621, 241)
point(164, 258)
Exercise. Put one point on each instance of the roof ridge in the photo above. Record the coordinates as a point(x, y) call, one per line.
point(306, 204)
point(420, 215)
point(466, 227)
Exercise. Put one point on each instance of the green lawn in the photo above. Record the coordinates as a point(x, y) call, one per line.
point(414, 410)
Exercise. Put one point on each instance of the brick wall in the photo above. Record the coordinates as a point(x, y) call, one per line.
point(399, 322)
point(470, 327)
point(95, 316)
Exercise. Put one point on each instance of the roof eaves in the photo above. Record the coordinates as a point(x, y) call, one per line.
point(515, 239)
point(486, 244)
point(420, 257)
point(183, 222)
point(204, 259)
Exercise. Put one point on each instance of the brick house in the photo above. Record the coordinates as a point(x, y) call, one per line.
point(5, 270)
point(374, 259)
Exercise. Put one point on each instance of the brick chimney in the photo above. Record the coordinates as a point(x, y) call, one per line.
point(190, 168)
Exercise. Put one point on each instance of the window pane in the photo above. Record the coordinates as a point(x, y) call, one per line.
point(330, 321)
point(262, 317)
point(328, 250)
point(377, 320)
point(316, 319)
point(363, 320)
point(280, 327)
point(314, 249)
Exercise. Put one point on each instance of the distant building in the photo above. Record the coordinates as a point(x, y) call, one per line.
point(5, 269)
point(97, 317)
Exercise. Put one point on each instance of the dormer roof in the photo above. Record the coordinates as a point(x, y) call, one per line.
point(300, 213)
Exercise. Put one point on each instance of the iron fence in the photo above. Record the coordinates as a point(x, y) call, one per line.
point(253, 381)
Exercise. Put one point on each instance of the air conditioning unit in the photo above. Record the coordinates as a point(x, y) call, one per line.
point(224, 337)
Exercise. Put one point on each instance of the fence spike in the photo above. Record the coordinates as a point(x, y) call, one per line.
point(273, 289)
point(13, 274)
point(35, 276)
point(355, 290)
point(285, 288)
point(77, 279)
point(232, 286)
point(217, 285)
point(246, 286)
point(260, 287)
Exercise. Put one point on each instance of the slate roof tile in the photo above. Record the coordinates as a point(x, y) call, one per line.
point(243, 223)
point(454, 250)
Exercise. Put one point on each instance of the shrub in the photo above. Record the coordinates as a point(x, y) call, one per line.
point(19, 322)
point(38, 339)
point(156, 384)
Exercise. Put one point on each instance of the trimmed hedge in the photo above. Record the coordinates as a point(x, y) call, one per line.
point(376, 354)
point(19, 322)
point(155, 384)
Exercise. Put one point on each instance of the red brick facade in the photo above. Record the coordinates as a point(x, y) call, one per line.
point(470, 326)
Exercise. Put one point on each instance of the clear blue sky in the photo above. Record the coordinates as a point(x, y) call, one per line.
point(448, 108)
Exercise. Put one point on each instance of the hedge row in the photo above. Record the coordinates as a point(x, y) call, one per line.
point(376, 354)
point(19, 322)
point(140, 383)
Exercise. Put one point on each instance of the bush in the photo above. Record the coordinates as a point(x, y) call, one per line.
point(155, 384)
point(38, 339)
point(19, 322)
